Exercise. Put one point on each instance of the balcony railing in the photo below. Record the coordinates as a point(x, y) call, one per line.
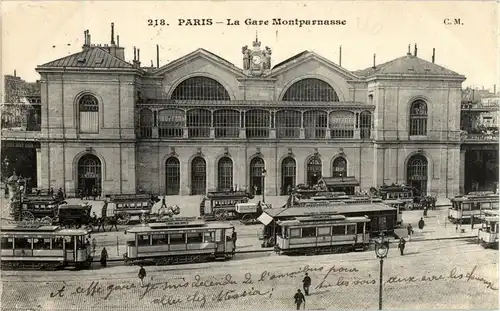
point(481, 137)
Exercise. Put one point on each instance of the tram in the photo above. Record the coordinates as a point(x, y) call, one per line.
point(180, 240)
point(222, 205)
point(322, 234)
point(464, 208)
point(38, 207)
point(488, 233)
point(43, 246)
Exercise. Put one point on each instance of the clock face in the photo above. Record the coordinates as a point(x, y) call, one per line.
point(256, 59)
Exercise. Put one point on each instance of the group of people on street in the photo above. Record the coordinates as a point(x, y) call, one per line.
point(299, 298)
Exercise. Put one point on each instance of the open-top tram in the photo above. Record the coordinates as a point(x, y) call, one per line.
point(323, 234)
point(473, 205)
point(35, 245)
point(181, 240)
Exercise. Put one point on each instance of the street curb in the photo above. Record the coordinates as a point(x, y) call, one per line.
point(439, 239)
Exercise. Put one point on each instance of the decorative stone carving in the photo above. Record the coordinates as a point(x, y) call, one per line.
point(172, 151)
point(226, 151)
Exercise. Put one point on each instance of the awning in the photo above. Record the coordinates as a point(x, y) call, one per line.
point(265, 219)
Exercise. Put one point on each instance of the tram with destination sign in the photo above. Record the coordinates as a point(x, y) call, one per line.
point(319, 234)
point(126, 206)
point(488, 233)
point(222, 205)
point(180, 240)
point(464, 208)
point(43, 246)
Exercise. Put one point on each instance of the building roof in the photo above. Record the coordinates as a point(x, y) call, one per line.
point(93, 57)
point(408, 64)
point(340, 181)
point(290, 59)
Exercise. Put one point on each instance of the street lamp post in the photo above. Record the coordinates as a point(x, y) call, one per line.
point(264, 185)
point(381, 250)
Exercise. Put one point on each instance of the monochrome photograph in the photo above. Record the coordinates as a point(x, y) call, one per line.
point(249, 155)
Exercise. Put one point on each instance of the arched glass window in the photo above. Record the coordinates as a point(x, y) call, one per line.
point(173, 176)
point(342, 124)
point(225, 174)
point(146, 122)
point(314, 168)
point(88, 108)
point(198, 176)
point(171, 122)
point(199, 122)
point(418, 118)
point(310, 90)
point(89, 174)
point(288, 175)
point(315, 123)
point(288, 123)
point(227, 123)
point(417, 171)
point(256, 178)
point(365, 124)
point(339, 167)
point(200, 88)
point(257, 123)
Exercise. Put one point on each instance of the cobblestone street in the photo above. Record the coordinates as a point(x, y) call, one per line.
point(432, 275)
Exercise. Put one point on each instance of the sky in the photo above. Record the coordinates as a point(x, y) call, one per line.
point(36, 32)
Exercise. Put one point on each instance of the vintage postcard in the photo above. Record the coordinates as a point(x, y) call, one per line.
point(249, 155)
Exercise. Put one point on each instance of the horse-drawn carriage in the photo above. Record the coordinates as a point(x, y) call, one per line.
point(410, 196)
point(222, 205)
point(125, 206)
point(55, 211)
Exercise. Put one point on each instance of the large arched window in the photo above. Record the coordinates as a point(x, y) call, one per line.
point(199, 122)
point(315, 124)
point(288, 175)
point(288, 123)
point(365, 124)
point(418, 118)
point(342, 124)
point(200, 88)
point(310, 90)
point(198, 176)
point(225, 174)
point(173, 176)
point(227, 123)
point(88, 108)
point(339, 167)
point(171, 122)
point(417, 171)
point(146, 123)
point(257, 123)
point(314, 168)
point(89, 174)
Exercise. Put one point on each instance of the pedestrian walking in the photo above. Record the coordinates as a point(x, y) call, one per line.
point(425, 210)
point(142, 275)
point(306, 283)
point(104, 257)
point(94, 245)
point(299, 299)
point(401, 245)
point(409, 228)
point(163, 203)
point(421, 224)
point(234, 237)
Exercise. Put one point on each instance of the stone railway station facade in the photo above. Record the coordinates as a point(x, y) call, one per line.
point(200, 123)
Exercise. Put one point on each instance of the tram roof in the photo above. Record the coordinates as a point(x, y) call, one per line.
point(484, 197)
point(75, 206)
point(173, 227)
point(327, 209)
point(43, 230)
point(323, 219)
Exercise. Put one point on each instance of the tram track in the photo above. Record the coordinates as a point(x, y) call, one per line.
point(305, 259)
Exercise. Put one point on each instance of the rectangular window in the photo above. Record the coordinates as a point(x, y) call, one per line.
point(143, 240)
point(89, 122)
point(7, 243)
point(295, 233)
point(41, 243)
point(339, 230)
point(208, 236)
point(359, 227)
point(196, 237)
point(159, 239)
point(308, 232)
point(466, 206)
point(324, 230)
point(351, 229)
point(177, 238)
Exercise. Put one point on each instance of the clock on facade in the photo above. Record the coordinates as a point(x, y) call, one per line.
point(256, 59)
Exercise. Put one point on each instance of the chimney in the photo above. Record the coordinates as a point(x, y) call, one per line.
point(85, 38)
point(135, 54)
point(88, 33)
point(139, 55)
point(118, 41)
point(374, 55)
point(112, 33)
point(409, 47)
point(415, 52)
point(433, 54)
point(494, 88)
point(157, 56)
point(340, 56)
point(15, 73)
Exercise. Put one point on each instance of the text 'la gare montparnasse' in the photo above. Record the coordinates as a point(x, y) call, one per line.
point(263, 22)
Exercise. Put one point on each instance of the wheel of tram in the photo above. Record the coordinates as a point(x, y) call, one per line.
point(220, 215)
point(247, 219)
point(25, 215)
point(123, 218)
